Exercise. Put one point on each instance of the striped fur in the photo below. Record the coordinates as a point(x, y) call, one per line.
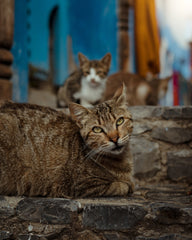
point(44, 152)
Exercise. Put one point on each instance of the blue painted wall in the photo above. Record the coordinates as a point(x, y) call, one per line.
point(19, 51)
point(93, 28)
point(39, 32)
point(92, 25)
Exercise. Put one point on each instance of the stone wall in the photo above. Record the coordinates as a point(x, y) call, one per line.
point(162, 144)
point(160, 208)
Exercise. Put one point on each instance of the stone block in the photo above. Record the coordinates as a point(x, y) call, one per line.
point(165, 237)
point(187, 112)
point(5, 235)
point(172, 113)
point(172, 195)
point(173, 134)
point(117, 236)
point(146, 157)
point(87, 235)
point(6, 210)
point(145, 112)
point(166, 213)
point(139, 128)
point(112, 236)
point(53, 211)
point(111, 217)
point(179, 112)
point(179, 165)
point(30, 236)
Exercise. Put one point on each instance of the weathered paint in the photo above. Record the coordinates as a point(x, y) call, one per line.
point(94, 30)
point(92, 26)
point(19, 51)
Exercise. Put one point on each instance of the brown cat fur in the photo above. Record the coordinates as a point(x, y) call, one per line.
point(44, 152)
point(139, 90)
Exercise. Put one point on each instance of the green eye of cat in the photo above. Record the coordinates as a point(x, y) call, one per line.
point(97, 130)
point(120, 121)
point(87, 72)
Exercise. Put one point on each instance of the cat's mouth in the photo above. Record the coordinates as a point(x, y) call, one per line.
point(117, 148)
point(94, 84)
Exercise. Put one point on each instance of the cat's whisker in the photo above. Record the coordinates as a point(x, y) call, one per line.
point(125, 138)
point(99, 156)
point(90, 154)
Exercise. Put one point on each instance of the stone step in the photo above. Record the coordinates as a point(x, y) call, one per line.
point(151, 213)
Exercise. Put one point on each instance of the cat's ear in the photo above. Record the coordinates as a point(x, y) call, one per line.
point(78, 113)
point(106, 60)
point(120, 96)
point(82, 59)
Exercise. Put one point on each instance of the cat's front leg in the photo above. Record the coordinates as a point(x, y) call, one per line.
point(120, 189)
point(77, 95)
point(85, 103)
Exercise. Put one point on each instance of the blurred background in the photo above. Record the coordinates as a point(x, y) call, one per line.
point(40, 40)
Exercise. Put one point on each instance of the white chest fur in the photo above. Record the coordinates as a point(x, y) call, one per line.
point(92, 88)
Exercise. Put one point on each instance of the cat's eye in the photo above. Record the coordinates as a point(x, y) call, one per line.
point(120, 121)
point(86, 73)
point(97, 130)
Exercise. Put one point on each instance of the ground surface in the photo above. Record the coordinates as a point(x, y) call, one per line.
point(151, 213)
point(43, 96)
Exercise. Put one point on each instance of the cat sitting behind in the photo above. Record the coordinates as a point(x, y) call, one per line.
point(44, 152)
point(87, 84)
point(140, 91)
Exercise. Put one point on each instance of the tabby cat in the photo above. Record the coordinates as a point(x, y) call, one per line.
point(44, 152)
point(87, 84)
point(140, 91)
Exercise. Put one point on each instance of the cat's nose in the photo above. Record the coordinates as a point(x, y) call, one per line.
point(114, 139)
point(93, 80)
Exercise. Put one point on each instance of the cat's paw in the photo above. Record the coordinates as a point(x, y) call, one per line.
point(120, 189)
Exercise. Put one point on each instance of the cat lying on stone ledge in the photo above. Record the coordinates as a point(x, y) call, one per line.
point(44, 152)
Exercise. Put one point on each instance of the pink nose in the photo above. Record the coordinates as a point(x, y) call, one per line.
point(114, 139)
point(93, 80)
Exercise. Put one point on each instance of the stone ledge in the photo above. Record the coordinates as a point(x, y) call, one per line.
point(167, 237)
point(174, 113)
point(173, 135)
point(179, 165)
point(48, 211)
point(153, 212)
point(112, 217)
